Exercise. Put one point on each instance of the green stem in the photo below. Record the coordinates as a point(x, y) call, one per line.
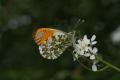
point(107, 63)
point(102, 69)
point(84, 66)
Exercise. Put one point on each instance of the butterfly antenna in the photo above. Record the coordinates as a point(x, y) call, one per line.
point(79, 21)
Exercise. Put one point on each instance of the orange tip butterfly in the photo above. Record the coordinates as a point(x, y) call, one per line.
point(52, 42)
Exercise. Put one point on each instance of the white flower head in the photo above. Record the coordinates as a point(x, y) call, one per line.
point(84, 47)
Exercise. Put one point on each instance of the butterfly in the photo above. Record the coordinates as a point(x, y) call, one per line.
point(52, 42)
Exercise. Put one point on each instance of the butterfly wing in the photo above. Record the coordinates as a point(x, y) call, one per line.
point(55, 44)
point(41, 35)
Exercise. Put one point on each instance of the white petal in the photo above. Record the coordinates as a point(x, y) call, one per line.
point(86, 48)
point(79, 41)
point(49, 57)
point(87, 54)
point(78, 46)
point(75, 57)
point(85, 37)
point(95, 50)
point(94, 42)
point(83, 44)
point(94, 67)
point(78, 51)
point(86, 41)
point(60, 52)
point(90, 49)
point(82, 52)
point(93, 38)
point(92, 57)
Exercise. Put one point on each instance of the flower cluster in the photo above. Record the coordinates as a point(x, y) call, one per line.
point(85, 48)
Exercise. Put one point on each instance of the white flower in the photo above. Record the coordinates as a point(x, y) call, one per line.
point(82, 45)
point(93, 51)
point(85, 48)
point(94, 66)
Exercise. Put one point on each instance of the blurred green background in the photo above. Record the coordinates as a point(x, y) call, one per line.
point(19, 55)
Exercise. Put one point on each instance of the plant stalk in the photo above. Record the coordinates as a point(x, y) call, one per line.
point(107, 63)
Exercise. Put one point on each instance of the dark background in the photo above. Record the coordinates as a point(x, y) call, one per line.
point(19, 55)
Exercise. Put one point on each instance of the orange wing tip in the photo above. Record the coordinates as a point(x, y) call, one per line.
point(47, 32)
